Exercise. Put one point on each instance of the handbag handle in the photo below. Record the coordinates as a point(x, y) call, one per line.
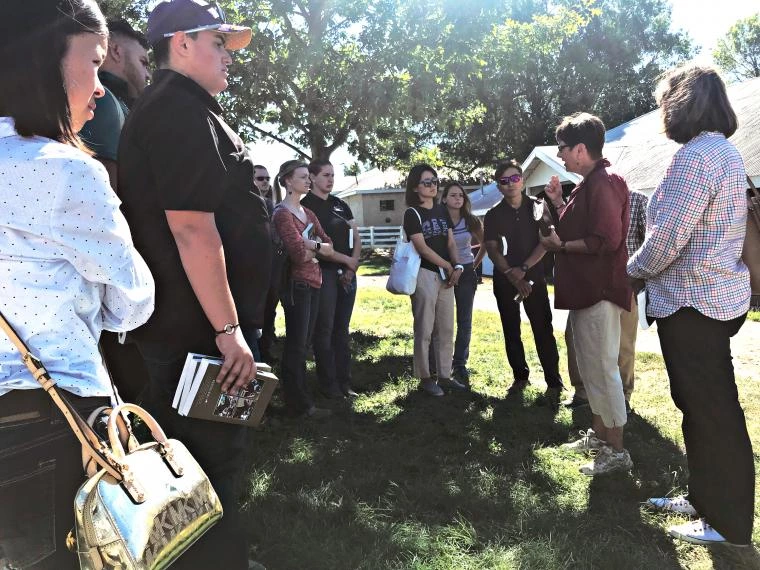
point(754, 202)
point(82, 430)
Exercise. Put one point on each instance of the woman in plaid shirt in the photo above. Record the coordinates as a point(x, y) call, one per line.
point(699, 293)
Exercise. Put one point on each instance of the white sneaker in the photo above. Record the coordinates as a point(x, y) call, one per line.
point(586, 444)
point(698, 532)
point(679, 504)
point(607, 460)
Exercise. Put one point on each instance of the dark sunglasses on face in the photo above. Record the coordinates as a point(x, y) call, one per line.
point(428, 182)
point(262, 178)
point(514, 179)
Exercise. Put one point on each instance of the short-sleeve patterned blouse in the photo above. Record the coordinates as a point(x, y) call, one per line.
point(68, 268)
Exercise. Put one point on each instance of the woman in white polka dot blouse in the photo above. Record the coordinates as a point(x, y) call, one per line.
point(68, 268)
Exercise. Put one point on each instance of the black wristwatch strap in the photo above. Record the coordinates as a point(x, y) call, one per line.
point(229, 328)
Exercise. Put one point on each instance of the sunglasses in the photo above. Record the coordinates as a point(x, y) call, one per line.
point(514, 179)
point(428, 182)
point(262, 178)
point(562, 147)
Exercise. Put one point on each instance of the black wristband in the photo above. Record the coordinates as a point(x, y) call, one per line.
point(229, 328)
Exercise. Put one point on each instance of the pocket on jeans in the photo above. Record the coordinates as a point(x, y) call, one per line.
point(27, 516)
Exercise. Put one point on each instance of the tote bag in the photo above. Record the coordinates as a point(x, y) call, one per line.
point(405, 266)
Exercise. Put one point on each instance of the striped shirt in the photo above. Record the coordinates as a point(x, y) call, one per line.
point(696, 221)
point(638, 226)
point(463, 240)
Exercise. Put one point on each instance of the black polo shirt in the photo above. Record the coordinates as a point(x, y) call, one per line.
point(335, 217)
point(520, 229)
point(176, 153)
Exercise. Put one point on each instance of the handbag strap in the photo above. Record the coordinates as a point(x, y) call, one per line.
point(82, 430)
point(754, 202)
point(406, 237)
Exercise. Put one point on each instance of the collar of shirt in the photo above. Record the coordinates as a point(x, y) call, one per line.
point(117, 86)
point(172, 79)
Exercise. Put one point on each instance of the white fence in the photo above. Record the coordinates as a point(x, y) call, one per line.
point(374, 237)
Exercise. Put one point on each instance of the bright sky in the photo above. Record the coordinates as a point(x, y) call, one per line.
point(708, 20)
point(705, 21)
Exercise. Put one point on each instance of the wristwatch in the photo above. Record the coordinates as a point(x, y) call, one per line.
point(229, 328)
point(524, 267)
point(317, 246)
point(459, 266)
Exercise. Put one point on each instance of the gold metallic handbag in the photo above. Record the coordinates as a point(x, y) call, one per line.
point(143, 505)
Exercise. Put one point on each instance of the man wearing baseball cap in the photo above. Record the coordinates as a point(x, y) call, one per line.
point(186, 182)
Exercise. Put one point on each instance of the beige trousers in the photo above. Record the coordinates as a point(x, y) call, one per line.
point(596, 339)
point(629, 327)
point(433, 311)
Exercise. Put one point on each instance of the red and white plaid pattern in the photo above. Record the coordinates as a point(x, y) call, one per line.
point(696, 221)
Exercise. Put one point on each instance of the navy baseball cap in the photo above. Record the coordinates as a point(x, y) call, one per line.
point(173, 16)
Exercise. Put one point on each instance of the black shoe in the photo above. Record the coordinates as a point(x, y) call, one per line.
point(332, 394)
point(518, 387)
point(461, 373)
point(575, 402)
point(551, 398)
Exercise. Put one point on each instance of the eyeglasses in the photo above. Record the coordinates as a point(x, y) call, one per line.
point(514, 179)
point(428, 182)
point(563, 146)
point(262, 178)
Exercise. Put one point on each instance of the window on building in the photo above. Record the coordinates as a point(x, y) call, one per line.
point(387, 206)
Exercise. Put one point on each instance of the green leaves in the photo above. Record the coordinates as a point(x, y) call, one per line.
point(738, 52)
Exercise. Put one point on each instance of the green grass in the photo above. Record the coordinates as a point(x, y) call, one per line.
point(398, 480)
point(375, 262)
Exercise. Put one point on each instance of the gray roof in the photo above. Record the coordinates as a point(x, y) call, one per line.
point(641, 152)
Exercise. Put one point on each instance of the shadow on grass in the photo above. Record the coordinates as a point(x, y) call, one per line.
point(403, 480)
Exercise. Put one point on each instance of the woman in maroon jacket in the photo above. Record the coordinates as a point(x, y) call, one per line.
point(591, 281)
point(302, 239)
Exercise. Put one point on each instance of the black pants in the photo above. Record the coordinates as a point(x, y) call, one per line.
point(697, 353)
point(540, 315)
point(219, 448)
point(40, 472)
point(268, 335)
point(331, 340)
point(301, 303)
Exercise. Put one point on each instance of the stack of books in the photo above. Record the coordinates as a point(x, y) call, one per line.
point(199, 396)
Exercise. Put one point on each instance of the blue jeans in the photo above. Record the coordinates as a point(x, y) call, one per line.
point(331, 340)
point(40, 472)
point(301, 303)
point(464, 293)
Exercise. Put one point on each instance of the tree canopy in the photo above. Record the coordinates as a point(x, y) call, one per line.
point(738, 52)
point(460, 83)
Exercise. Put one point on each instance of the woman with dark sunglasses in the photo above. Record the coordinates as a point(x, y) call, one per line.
point(465, 227)
point(429, 227)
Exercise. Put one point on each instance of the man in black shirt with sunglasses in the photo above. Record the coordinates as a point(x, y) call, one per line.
point(511, 238)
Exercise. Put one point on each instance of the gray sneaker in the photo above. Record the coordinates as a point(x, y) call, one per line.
point(586, 444)
point(607, 460)
point(431, 387)
point(451, 384)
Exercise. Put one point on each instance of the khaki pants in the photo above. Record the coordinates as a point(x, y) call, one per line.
point(629, 327)
point(433, 311)
point(596, 339)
